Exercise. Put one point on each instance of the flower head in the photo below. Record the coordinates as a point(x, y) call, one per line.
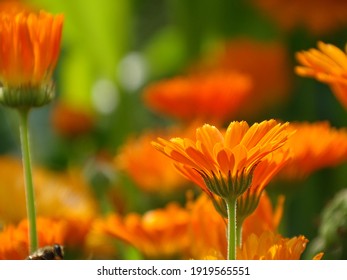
point(248, 56)
point(328, 64)
point(314, 146)
point(155, 175)
point(70, 121)
point(222, 163)
point(29, 49)
point(271, 246)
point(262, 175)
point(317, 16)
point(212, 97)
point(264, 218)
point(58, 195)
point(14, 239)
point(160, 233)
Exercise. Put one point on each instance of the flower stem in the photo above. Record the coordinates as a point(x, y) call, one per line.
point(28, 181)
point(239, 235)
point(232, 232)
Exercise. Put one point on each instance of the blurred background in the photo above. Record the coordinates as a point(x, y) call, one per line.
point(112, 51)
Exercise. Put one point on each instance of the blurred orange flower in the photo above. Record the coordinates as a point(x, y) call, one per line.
point(214, 97)
point(29, 46)
point(262, 175)
point(222, 163)
point(264, 218)
point(318, 16)
point(328, 64)
point(314, 146)
point(150, 170)
point(271, 246)
point(160, 233)
point(248, 56)
point(208, 228)
point(14, 241)
point(57, 194)
point(70, 121)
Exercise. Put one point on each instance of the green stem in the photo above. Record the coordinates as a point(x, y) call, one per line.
point(232, 232)
point(28, 181)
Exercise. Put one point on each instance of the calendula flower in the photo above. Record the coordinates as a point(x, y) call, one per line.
point(70, 121)
point(264, 218)
point(58, 195)
point(223, 163)
point(214, 97)
point(314, 146)
point(204, 240)
point(271, 246)
point(160, 233)
point(317, 16)
point(327, 64)
point(262, 175)
point(29, 49)
point(155, 175)
point(14, 239)
point(211, 244)
point(248, 56)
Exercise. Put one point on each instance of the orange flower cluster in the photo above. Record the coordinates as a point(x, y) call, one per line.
point(314, 146)
point(160, 233)
point(232, 165)
point(328, 64)
point(259, 233)
point(318, 16)
point(186, 233)
point(215, 97)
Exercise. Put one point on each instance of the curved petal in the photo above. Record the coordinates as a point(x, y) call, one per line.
point(235, 132)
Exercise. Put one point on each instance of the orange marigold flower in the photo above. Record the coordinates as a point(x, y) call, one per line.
point(271, 246)
point(29, 50)
point(70, 121)
point(264, 218)
point(157, 174)
point(248, 56)
point(14, 241)
point(318, 16)
point(222, 163)
point(215, 97)
point(160, 233)
point(213, 243)
point(30, 44)
point(262, 175)
point(207, 230)
point(328, 64)
point(58, 195)
point(314, 146)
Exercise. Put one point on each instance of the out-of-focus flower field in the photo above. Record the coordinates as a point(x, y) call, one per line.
point(159, 107)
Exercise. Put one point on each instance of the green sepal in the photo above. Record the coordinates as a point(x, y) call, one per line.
point(27, 96)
